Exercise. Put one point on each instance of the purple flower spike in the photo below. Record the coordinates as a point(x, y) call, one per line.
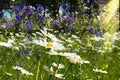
point(60, 20)
point(55, 25)
point(64, 11)
point(29, 7)
point(26, 52)
point(67, 18)
point(91, 30)
point(24, 13)
point(31, 13)
point(7, 24)
point(28, 23)
point(97, 33)
point(27, 30)
point(102, 5)
point(16, 8)
point(37, 55)
point(41, 18)
point(98, 26)
point(24, 7)
point(72, 15)
point(95, 1)
point(68, 26)
point(40, 9)
point(18, 17)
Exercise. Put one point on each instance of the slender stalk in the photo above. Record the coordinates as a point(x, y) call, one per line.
point(37, 70)
point(80, 72)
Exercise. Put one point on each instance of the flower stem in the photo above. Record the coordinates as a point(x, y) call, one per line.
point(37, 70)
point(80, 71)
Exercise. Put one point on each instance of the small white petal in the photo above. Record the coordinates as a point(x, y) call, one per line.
point(54, 64)
point(59, 76)
point(87, 62)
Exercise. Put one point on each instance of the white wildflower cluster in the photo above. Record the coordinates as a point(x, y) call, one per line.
point(56, 47)
point(109, 40)
point(54, 72)
point(72, 57)
point(51, 42)
point(23, 71)
point(106, 41)
point(8, 44)
point(13, 43)
point(100, 71)
point(54, 44)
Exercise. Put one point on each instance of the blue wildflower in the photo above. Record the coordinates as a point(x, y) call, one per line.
point(23, 7)
point(68, 26)
point(16, 8)
point(7, 24)
point(27, 30)
point(91, 30)
point(102, 5)
point(64, 11)
point(55, 24)
point(60, 20)
point(31, 13)
point(28, 23)
point(26, 52)
point(24, 13)
point(37, 55)
point(72, 15)
point(97, 33)
point(95, 1)
point(40, 9)
point(41, 18)
point(29, 8)
point(67, 18)
point(18, 17)
point(98, 26)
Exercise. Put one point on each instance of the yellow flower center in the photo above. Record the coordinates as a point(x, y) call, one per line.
point(100, 70)
point(80, 59)
point(49, 45)
point(107, 43)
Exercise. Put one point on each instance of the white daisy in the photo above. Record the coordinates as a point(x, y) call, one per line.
point(51, 45)
point(59, 76)
point(52, 72)
point(7, 44)
point(49, 35)
point(99, 70)
point(74, 58)
point(23, 71)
